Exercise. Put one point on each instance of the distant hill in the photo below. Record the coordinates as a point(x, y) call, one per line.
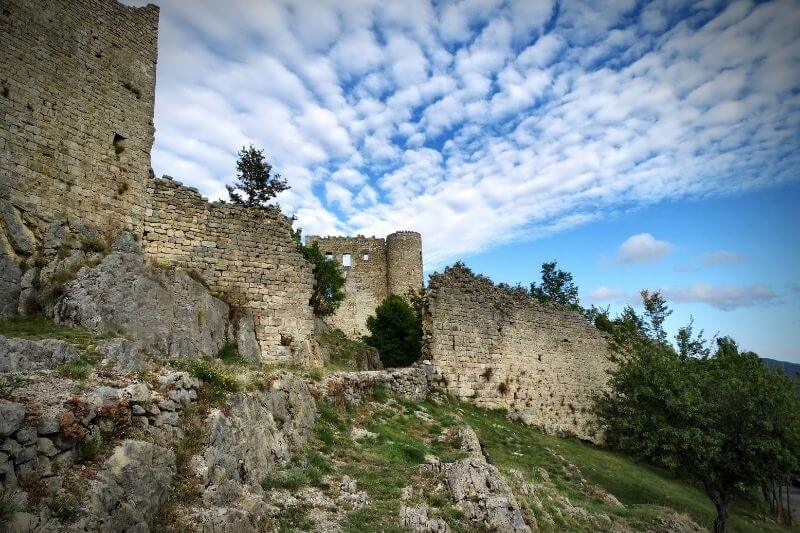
point(790, 369)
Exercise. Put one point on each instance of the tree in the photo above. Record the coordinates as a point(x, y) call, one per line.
point(725, 420)
point(328, 280)
point(255, 180)
point(656, 311)
point(396, 332)
point(557, 286)
point(689, 345)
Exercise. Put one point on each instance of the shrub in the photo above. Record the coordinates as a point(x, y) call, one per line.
point(8, 505)
point(396, 332)
point(94, 244)
point(329, 281)
point(212, 374)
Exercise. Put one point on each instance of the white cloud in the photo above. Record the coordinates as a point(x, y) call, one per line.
point(713, 259)
point(722, 297)
point(643, 248)
point(442, 116)
point(606, 294)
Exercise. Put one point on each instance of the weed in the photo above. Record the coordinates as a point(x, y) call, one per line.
point(65, 507)
point(79, 368)
point(212, 373)
point(89, 448)
point(92, 244)
point(229, 355)
point(8, 505)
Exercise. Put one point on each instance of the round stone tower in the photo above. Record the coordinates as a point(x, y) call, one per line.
point(403, 262)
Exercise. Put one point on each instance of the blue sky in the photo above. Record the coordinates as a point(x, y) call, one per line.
point(641, 144)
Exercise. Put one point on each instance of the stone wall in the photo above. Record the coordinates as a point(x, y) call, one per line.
point(350, 388)
point(501, 349)
point(246, 256)
point(77, 88)
point(377, 268)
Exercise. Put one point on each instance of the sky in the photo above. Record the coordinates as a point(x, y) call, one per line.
point(641, 145)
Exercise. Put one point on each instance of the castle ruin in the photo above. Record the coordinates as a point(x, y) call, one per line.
point(373, 268)
point(77, 91)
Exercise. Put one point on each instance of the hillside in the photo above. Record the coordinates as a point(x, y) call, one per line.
point(259, 448)
point(790, 369)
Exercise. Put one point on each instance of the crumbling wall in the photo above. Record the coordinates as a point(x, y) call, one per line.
point(377, 269)
point(77, 88)
point(502, 349)
point(246, 256)
point(365, 279)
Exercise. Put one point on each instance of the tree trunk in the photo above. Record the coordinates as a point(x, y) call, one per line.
point(721, 521)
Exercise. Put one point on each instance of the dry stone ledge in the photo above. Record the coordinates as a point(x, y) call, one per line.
point(499, 348)
point(163, 311)
point(411, 382)
point(21, 355)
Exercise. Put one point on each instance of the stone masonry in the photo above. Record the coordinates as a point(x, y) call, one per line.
point(502, 349)
point(377, 268)
point(246, 256)
point(77, 86)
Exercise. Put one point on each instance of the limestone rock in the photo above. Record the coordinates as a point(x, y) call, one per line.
point(254, 433)
point(11, 416)
point(21, 355)
point(10, 279)
point(165, 311)
point(21, 238)
point(677, 523)
point(246, 342)
point(132, 487)
point(418, 520)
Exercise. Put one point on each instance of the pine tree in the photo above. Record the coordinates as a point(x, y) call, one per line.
point(255, 180)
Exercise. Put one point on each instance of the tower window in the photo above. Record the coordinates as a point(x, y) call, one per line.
point(346, 260)
point(366, 257)
point(329, 256)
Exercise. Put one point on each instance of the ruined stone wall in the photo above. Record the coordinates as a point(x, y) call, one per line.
point(500, 349)
point(74, 75)
point(246, 256)
point(377, 268)
point(365, 279)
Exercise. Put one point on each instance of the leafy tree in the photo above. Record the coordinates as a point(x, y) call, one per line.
point(688, 344)
point(396, 332)
point(255, 180)
point(557, 286)
point(725, 420)
point(328, 278)
point(656, 311)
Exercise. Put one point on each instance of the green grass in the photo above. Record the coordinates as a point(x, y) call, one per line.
point(641, 487)
point(38, 328)
point(219, 378)
point(344, 353)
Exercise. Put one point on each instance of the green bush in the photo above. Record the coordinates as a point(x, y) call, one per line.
point(396, 332)
point(94, 244)
point(329, 281)
point(210, 372)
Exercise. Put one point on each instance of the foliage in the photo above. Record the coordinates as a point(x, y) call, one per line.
point(255, 179)
point(557, 286)
point(690, 346)
point(328, 278)
point(725, 420)
point(8, 505)
point(396, 332)
point(229, 355)
point(344, 353)
point(656, 312)
point(94, 244)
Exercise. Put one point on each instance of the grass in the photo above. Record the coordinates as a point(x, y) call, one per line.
point(217, 377)
point(94, 245)
point(38, 328)
point(642, 488)
point(8, 505)
point(344, 353)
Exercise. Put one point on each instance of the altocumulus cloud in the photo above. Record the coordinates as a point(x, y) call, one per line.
point(479, 121)
point(643, 248)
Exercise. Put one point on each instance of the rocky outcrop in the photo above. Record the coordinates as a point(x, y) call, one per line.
point(250, 436)
point(418, 520)
point(164, 311)
point(480, 491)
point(20, 355)
point(132, 487)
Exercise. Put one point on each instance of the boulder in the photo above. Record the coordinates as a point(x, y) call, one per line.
point(246, 342)
point(21, 238)
point(21, 355)
point(163, 311)
point(132, 487)
point(418, 520)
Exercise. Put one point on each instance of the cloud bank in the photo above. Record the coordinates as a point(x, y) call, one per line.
point(479, 121)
